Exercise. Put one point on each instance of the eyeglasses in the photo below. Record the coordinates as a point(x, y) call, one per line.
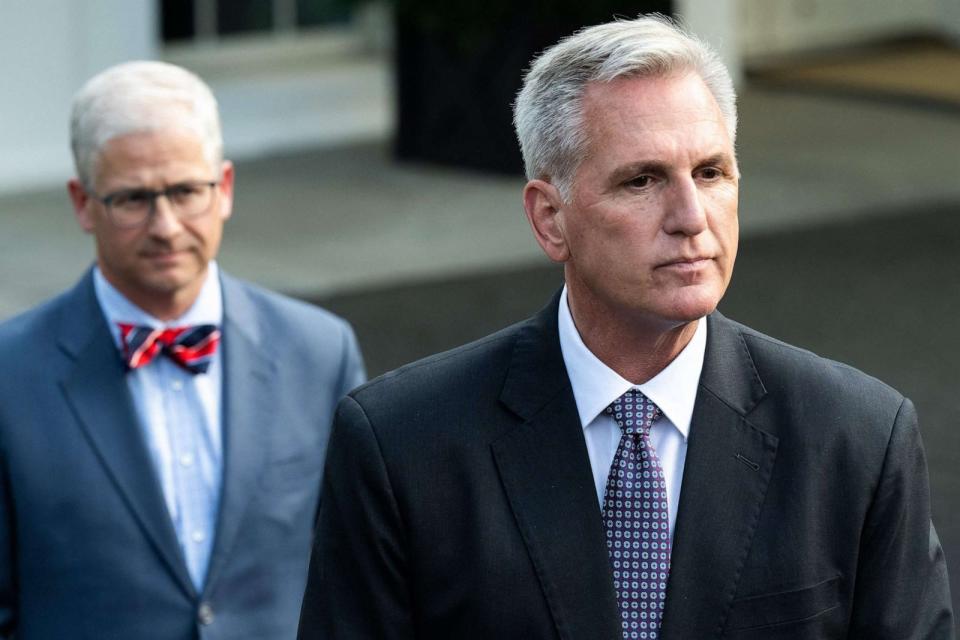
point(131, 208)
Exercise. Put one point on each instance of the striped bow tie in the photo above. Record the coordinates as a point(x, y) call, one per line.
point(190, 347)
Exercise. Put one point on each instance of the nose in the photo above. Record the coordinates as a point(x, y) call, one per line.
point(164, 222)
point(685, 211)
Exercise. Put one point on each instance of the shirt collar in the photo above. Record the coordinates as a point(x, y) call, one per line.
point(206, 309)
point(595, 385)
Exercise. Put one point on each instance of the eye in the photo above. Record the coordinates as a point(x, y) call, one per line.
point(132, 199)
point(185, 189)
point(184, 192)
point(640, 182)
point(710, 173)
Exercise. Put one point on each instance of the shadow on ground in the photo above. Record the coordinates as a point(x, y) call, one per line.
point(882, 295)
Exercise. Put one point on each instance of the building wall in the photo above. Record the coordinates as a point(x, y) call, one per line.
point(782, 27)
point(47, 49)
point(716, 22)
point(948, 14)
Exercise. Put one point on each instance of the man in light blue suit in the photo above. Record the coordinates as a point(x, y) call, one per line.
point(162, 424)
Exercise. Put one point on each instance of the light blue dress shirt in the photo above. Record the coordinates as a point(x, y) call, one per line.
point(180, 416)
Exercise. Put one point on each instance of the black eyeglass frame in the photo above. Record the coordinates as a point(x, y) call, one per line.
point(107, 201)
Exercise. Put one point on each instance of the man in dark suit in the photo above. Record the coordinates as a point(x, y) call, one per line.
point(162, 424)
point(628, 463)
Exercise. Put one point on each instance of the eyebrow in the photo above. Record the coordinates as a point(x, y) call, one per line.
point(719, 158)
point(166, 185)
point(638, 168)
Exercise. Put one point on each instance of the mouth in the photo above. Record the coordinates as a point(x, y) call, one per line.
point(164, 255)
point(686, 265)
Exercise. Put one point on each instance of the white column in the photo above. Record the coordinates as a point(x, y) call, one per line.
point(949, 18)
point(716, 22)
point(48, 48)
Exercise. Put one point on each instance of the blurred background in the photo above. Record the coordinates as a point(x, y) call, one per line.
point(377, 172)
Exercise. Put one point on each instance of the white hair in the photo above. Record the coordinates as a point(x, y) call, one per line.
point(548, 113)
point(136, 97)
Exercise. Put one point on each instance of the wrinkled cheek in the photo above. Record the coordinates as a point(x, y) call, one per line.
point(726, 267)
point(731, 238)
point(208, 244)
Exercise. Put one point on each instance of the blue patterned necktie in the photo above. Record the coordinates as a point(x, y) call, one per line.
point(636, 519)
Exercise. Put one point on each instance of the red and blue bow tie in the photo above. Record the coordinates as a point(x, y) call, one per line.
point(190, 347)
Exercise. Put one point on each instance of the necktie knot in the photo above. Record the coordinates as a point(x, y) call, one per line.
point(634, 413)
point(190, 347)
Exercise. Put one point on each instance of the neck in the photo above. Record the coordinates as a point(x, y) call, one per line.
point(635, 347)
point(165, 308)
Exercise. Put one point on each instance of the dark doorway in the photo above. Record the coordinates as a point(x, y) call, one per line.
point(460, 64)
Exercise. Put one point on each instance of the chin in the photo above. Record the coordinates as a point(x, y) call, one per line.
point(690, 308)
point(166, 285)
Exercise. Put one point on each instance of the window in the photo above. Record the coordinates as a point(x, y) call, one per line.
point(198, 20)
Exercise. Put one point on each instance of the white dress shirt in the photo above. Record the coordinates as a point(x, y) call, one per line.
point(595, 386)
point(180, 415)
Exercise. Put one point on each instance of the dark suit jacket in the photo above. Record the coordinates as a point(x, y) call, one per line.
point(87, 548)
point(459, 503)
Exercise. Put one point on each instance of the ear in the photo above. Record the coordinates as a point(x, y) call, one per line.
point(226, 189)
point(82, 203)
point(543, 204)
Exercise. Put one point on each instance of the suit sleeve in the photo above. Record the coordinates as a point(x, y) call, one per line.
point(357, 585)
point(901, 588)
point(8, 589)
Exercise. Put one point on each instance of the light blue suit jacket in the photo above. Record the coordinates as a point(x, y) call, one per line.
point(87, 548)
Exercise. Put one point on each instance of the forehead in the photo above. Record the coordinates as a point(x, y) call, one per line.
point(674, 112)
point(168, 154)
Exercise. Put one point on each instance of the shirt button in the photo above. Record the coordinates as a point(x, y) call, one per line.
point(205, 614)
point(198, 536)
point(177, 385)
point(186, 459)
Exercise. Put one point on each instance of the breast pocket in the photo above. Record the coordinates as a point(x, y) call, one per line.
point(786, 607)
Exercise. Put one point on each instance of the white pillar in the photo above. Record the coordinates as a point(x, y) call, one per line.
point(716, 22)
point(48, 48)
point(949, 18)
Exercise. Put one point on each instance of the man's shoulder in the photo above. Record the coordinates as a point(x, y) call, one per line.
point(41, 320)
point(314, 345)
point(792, 370)
point(276, 309)
point(478, 365)
point(33, 343)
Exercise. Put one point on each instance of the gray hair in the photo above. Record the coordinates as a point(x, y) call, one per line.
point(136, 97)
point(548, 113)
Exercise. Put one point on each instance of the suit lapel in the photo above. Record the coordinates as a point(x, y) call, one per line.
point(546, 475)
point(97, 392)
point(728, 466)
point(249, 383)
